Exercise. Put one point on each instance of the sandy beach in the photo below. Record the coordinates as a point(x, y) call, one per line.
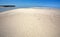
point(30, 22)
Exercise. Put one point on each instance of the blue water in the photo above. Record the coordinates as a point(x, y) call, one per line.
point(5, 9)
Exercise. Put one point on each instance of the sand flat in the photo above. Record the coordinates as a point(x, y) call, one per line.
point(30, 22)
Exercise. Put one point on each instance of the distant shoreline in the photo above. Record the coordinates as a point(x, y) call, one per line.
point(2, 9)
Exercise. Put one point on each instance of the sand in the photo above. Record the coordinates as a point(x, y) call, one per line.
point(30, 22)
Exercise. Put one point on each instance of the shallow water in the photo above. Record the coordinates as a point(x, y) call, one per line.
point(6, 9)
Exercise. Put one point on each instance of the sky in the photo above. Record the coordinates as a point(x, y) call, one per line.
point(31, 3)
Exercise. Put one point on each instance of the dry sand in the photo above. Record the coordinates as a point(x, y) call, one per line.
point(30, 22)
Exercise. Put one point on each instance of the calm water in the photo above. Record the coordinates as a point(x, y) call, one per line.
point(5, 9)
